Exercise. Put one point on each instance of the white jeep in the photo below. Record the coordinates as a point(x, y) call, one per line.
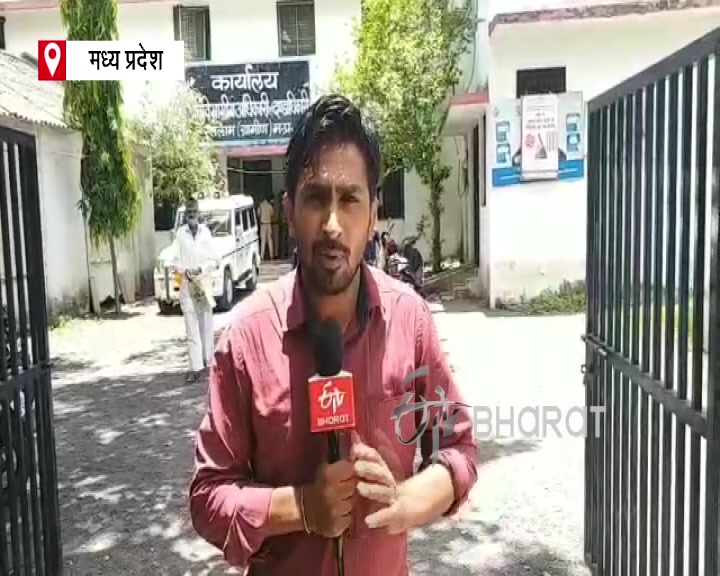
point(233, 224)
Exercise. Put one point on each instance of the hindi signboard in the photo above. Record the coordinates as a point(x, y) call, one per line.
point(508, 149)
point(253, 104)
point(539, 160)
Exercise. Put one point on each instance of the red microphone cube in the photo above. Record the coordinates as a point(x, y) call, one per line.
point(332, 403)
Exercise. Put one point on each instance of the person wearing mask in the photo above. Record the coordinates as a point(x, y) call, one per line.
point(266, 229)
point(262, 491)
point(193, 257)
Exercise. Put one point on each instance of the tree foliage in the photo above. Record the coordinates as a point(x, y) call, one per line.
point(179, 136)
point(408, 59)
point(111, 198)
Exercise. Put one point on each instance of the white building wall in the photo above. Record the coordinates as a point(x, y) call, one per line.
point(63, 230)
point(63, 227)
point(239, 32)
point(537, 231)
point(417, 196)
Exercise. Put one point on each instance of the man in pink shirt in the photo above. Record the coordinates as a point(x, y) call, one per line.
point(262, 491)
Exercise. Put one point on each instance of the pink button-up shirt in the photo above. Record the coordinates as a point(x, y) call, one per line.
point(255, 434)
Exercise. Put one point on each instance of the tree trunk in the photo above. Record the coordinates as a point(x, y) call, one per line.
point(116, 280)
point(435, 213)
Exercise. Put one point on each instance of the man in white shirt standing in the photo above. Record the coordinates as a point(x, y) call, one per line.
point(194, 258)
point(266, 229)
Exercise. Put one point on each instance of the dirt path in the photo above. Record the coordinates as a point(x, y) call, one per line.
point(125, 423)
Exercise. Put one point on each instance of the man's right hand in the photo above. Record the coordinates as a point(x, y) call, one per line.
point(329, 499)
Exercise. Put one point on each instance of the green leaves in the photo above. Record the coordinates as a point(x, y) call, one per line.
point(408, 54)
point(111, 199)
point(179, 137)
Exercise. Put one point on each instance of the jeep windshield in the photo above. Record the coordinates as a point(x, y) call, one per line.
point(218, 221)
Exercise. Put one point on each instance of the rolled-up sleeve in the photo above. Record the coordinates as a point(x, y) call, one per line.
point(456, 443)
point(227, 509)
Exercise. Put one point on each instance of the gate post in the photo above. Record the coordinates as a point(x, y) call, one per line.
point(712, 498)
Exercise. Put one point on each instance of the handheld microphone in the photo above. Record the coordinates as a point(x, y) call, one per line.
point(332, 398)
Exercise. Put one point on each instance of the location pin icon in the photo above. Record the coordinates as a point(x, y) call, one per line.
point(52, 57)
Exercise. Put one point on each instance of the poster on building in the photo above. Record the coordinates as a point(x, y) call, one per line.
point(253, 104)
point(505, 140)
point(539, 137)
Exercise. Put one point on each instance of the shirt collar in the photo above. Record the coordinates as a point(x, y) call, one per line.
point(368, 299)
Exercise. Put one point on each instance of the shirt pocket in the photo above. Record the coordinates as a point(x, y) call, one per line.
point(381, 433)
point(390, 435)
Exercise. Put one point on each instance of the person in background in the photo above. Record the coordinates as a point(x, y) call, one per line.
point(266, 229)
point(382, 260)
point(194, 258)
point(292, 245)
point(262, 491)
point(277, 209)
point(372, 252)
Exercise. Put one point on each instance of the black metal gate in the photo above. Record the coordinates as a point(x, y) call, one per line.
point(653, 338)
point(29, 519)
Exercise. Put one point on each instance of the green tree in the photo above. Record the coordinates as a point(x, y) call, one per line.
point(179, 137)
point(111, 199)
point(408, 59)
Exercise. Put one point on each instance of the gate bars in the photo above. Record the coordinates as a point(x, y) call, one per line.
point(652, 473)
point(29, 519)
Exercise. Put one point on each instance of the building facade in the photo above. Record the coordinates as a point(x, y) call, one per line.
point(260, 64)
point(534, 232)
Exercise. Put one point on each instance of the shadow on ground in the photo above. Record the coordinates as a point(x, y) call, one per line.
point(166, 349)
point(490, 450)
point(124, 456)
point(463, 306)
point(463, 546)
point(452, 306)
point(461, 549)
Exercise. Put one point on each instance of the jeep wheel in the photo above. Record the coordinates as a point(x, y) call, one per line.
point(251, 283)
point(166, 308)
point(228, 293)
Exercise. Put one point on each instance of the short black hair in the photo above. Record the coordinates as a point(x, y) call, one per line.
point(192, 203)
point(331, 119)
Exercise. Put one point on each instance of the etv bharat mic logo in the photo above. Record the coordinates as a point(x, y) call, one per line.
point(51, 60)
point(444, 422)
point(332, 404)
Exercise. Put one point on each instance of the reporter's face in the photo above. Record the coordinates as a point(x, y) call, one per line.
point(332, 217)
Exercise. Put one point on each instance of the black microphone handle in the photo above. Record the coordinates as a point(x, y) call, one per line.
point(333, 449)
point(333, 440)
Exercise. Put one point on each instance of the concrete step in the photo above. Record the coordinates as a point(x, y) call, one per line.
point(272, 270)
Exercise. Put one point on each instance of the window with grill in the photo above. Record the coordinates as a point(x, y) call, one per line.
point(392, 197)
point(541, 81)
point(192, 26)
point(296, 28)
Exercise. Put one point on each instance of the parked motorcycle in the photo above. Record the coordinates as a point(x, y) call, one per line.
point(404, 262)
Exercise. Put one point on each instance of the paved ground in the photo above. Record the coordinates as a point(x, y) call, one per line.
point(125, 423)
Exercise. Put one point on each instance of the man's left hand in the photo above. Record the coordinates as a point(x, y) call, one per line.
point(377, 483)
